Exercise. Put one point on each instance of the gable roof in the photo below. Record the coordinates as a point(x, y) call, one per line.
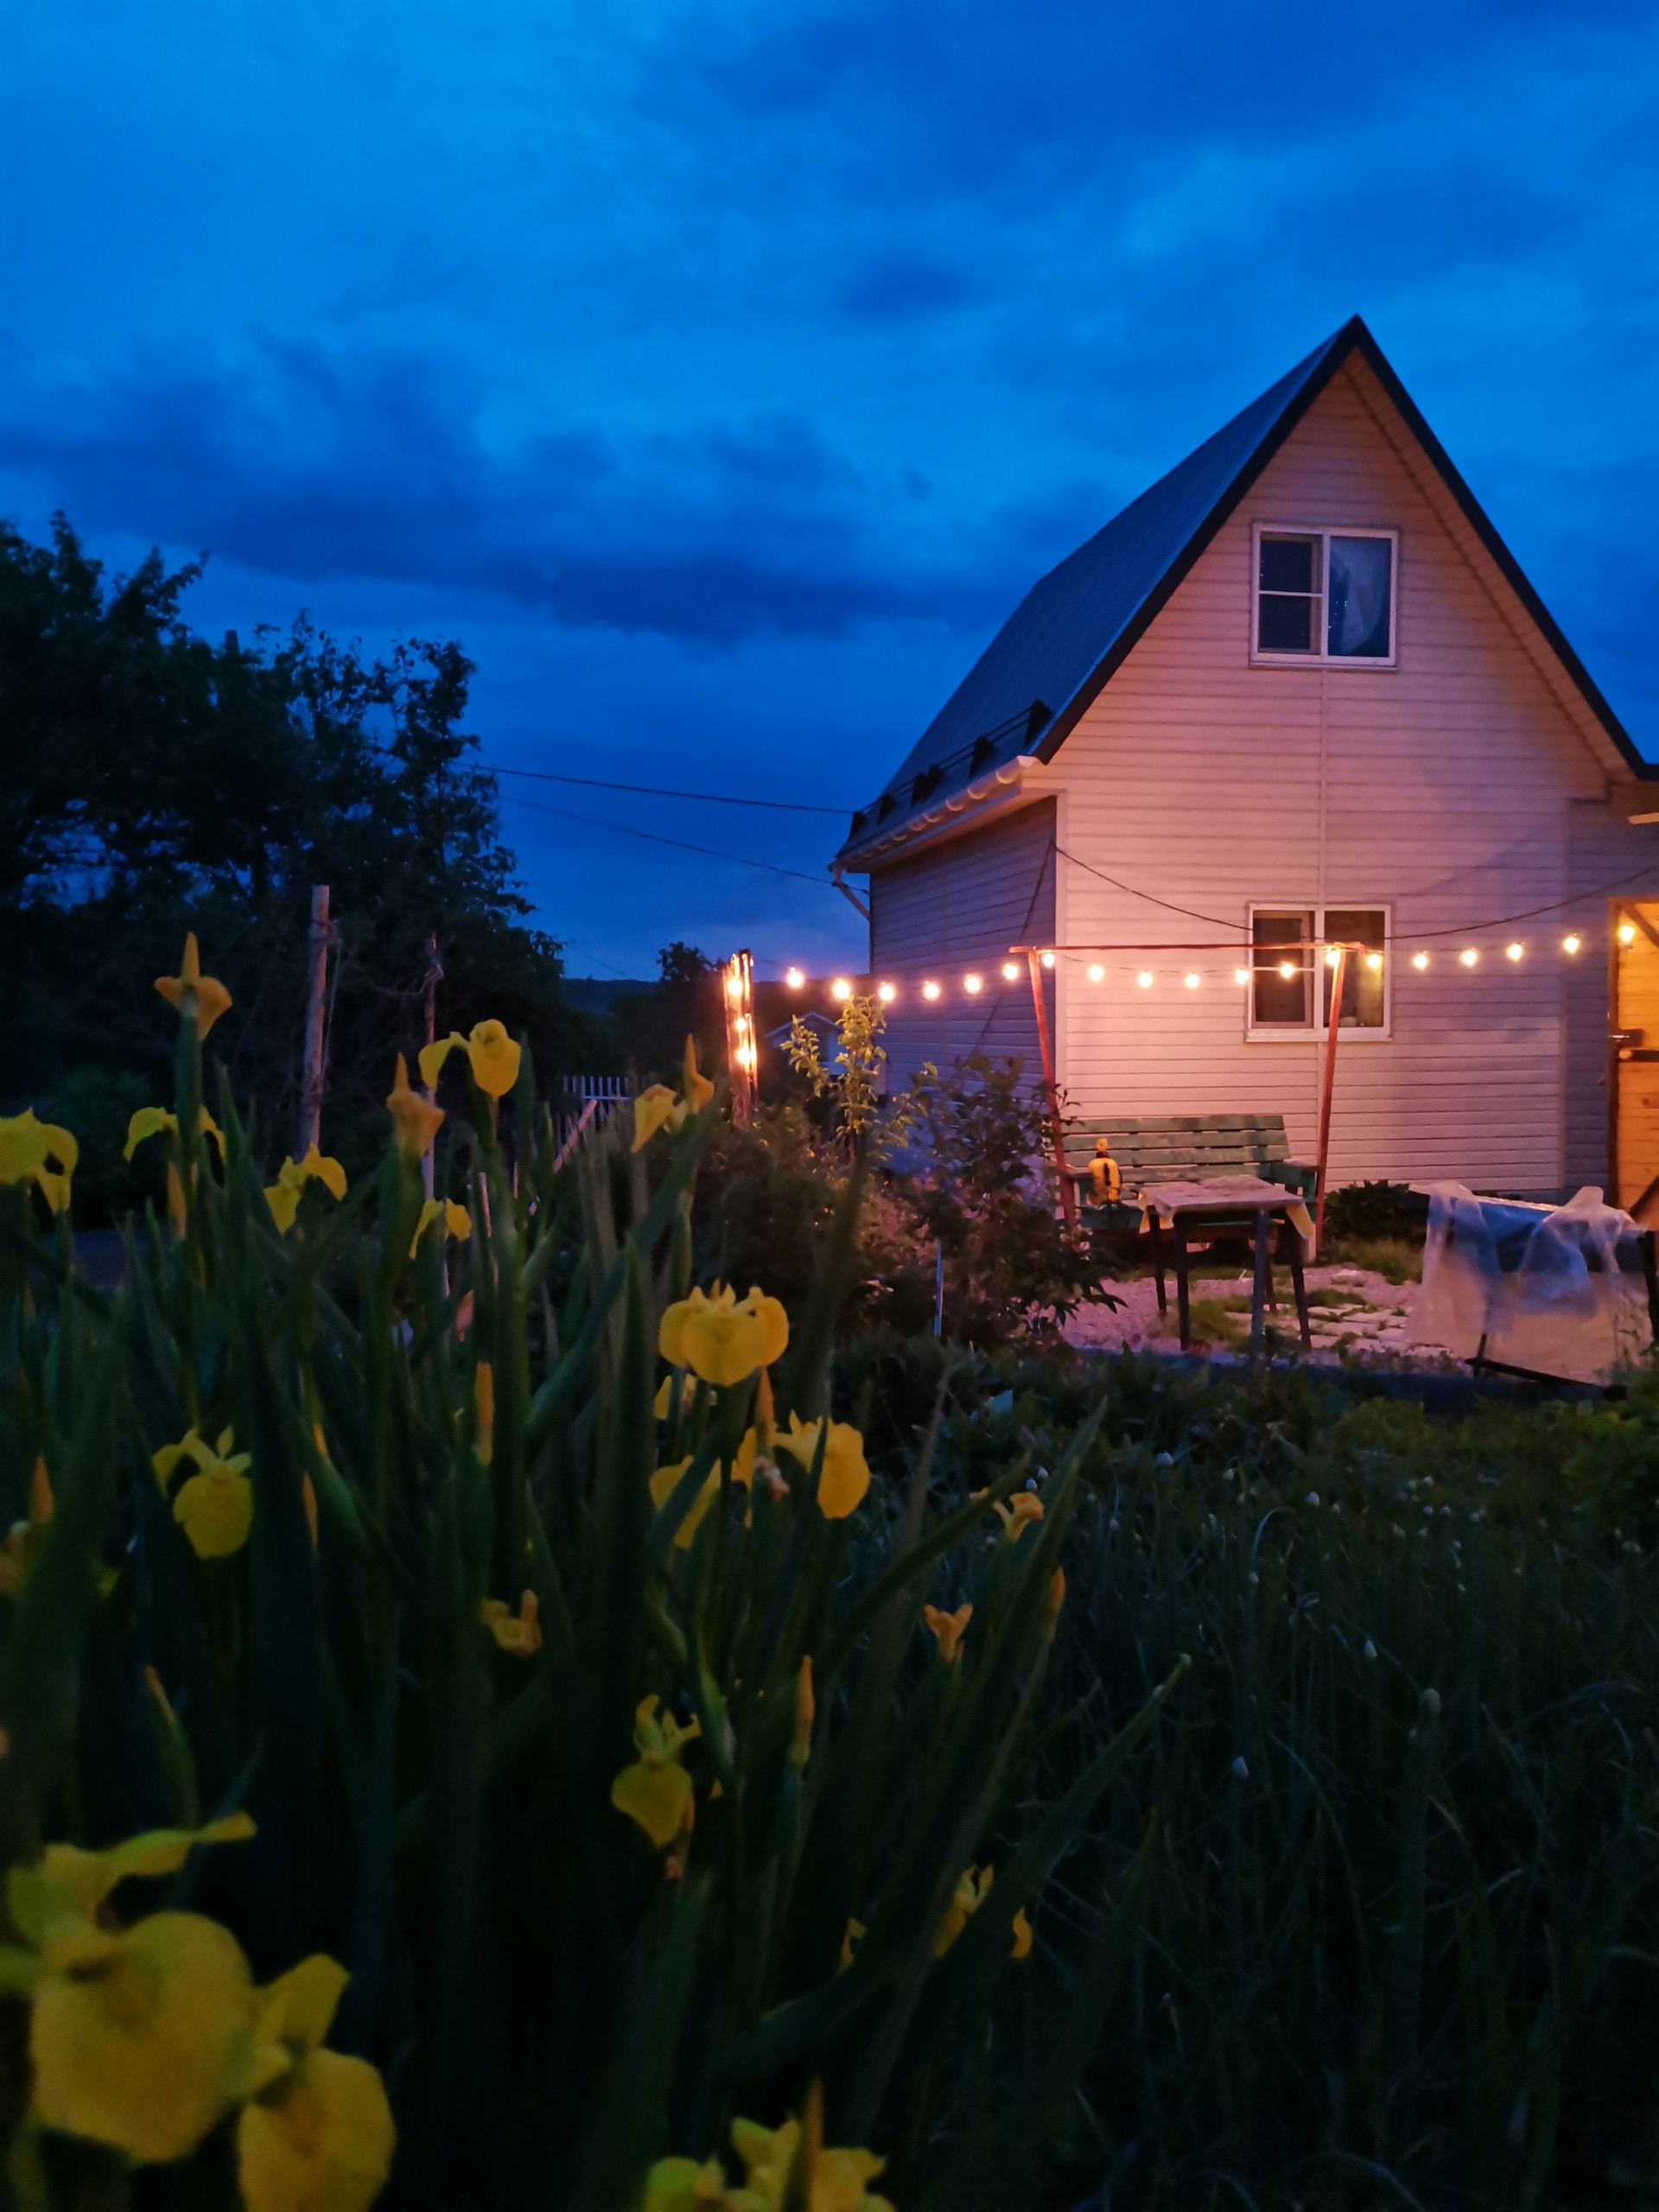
point(1076, 626)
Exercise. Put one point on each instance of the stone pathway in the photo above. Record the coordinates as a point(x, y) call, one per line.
point(1364, 1319)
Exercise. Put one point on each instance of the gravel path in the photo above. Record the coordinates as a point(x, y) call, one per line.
point(1368, 1323)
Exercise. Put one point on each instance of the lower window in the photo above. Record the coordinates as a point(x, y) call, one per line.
point(1292, 974)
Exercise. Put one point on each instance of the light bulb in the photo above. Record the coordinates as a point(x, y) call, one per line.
point(1096, 974)
point(794, 979)
point(1569, 945)
point(1241, 975)
point(746, 1055)
point(840, 988)
point(886, 993)
point(1287, 968)
point(1010, 973)
point(734, 985)
point(1048, 960)
point(973, 985)
point(1514, 951)
point(740, 1023)
point(929, 990)
point(1469, 955)
point(1627, 932)
point(1420, 960)
point(1373, 960)
point(1331, 956)
point(1192, 983)
point(1145, 979)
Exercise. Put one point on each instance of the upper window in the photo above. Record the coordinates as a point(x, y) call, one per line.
point(1290, 972)
point(1324, 595)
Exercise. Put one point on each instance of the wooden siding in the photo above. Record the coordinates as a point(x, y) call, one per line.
point(955, 912)
point(1456, 787)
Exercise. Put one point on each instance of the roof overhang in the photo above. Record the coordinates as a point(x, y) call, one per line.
point(998, 791)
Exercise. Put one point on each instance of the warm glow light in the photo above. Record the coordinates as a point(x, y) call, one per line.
point(886, 993)
point(1420, 960)
point(1010, 973)
point(840, 988)
point(1469, 955)
point(734, 985)
point(1287, 969)
point(1145, 979)
point(1333, 954)
point(1373, 960)
point(794, 979)
point(974, 984)
point(1241, 975)
point(740, 1022)
point(1048, 960)
point(1569, 945)
point(1192, 983)
point(1096, 974)
point(1514, 951)
point(929, 990)
point(1627, 932)
point(746, 1055)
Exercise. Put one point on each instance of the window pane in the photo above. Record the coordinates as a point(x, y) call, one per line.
point(1362, 984)
point(1284, 626)
point(1360, 597)
point(1287, 564)
point(1281, 940)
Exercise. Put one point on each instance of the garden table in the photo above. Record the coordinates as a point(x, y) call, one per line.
point(1224, 1206)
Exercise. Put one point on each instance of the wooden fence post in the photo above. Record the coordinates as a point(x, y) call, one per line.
point(318, 938)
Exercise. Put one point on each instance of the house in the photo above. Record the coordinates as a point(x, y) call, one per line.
point(1298, 691)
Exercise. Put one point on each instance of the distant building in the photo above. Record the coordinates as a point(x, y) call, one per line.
point(1298, 690)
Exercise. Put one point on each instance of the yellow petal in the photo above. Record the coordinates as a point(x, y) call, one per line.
point(663, 1485)
point(522, 1635)
point(721, 1344)
point(742, 1468)
point(846, 1478)
point(431, 1058)
point(495, 1059)
point(283, 1199)
point(25, 1145)
point(299, 2006)
point(429, 1211)
point(659, 1403)
point(319, 1167)
point(670, 1330)
point(192, 991)
point(456, 1219)
point(683, 2186)
point(652, 1111)
point(655, 1796)
point(147, 1121)
point(215, 1511)
point(320, 2140)
point(774, 1325)
point(143, 2044)
point(415, 1120)
point(698, 1088)
point(1021, 1936)
point(948, 1628)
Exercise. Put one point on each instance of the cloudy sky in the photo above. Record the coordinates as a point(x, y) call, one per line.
point(721, 375)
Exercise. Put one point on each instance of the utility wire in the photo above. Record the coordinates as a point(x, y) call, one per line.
point(655, 791)
point(626, 829)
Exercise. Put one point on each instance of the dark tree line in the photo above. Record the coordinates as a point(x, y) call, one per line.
point(154, 782)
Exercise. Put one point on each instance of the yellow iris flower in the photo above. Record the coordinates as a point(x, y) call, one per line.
point(948, 1629)
point(26, 1145)
point(1021, 1936)
point(414, 1120)
point(833, 2181)
point(845, 1477)
point(150, 1121)
point(665, 1480)
point(683, 2186)
point(319, 2135)
point(655, 1791)
point(520, 1634)
point(457, 1221)
point(721, 1339)
point(191, 992)
point(284, 1195)
point(215, 1507)
point(659, 1108)
point(1016, 1513)
point(493, 1055)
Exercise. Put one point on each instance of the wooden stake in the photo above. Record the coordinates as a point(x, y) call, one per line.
point(1327, 1081)
point(1046, 1046)
point(316, 998)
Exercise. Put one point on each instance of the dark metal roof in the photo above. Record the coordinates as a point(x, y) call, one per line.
point(1074, 627)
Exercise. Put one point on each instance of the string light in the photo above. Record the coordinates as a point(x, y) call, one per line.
point(1373, 961)
point(1570, 945)
point(1287, 968)
point(1331, 956)
point(1192, 983)
point(1096, 974)
point(929, 990)
point(794, 979)
point(746, 1055)
point(1048, 960)
point(1010, 973)
point(734, 986)
point(1420, 960)
point(1514, 951)
point(973, 984)
point(886, 993)
point(1241, 975)
point(1469, 955)
point(840, 988)
point(1145, 979)
point(1627, 932)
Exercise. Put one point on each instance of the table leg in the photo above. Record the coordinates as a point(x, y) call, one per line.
point(1156, 1235)
point(1298, 1284)
point(1258, 1296)
point(1183, 1301)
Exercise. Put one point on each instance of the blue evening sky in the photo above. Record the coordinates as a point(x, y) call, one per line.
point(721, 375)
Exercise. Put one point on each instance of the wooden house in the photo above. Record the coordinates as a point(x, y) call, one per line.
point(1299, 690)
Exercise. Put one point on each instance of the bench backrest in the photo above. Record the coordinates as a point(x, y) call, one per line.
point(1184, 1147)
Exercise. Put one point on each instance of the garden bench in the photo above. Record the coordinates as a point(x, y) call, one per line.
point(1179, 1148)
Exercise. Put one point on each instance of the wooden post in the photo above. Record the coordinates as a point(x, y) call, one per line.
point(1327, 1080)
point(743, 1044)
point(434, 975)
point(316, 1000)
point(1046, 1046)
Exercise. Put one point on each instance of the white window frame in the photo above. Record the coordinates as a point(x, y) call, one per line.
point(1323, 658)
point(1281, 1032)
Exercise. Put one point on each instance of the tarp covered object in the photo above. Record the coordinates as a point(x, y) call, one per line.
point(1561, 1290)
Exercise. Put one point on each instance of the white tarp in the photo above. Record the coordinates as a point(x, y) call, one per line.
point(1559, 1290)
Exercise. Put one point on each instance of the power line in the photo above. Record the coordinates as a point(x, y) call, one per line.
point(655, 791)
point(626, 830)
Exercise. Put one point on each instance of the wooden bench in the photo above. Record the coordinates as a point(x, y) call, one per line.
point(1181, 1149)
